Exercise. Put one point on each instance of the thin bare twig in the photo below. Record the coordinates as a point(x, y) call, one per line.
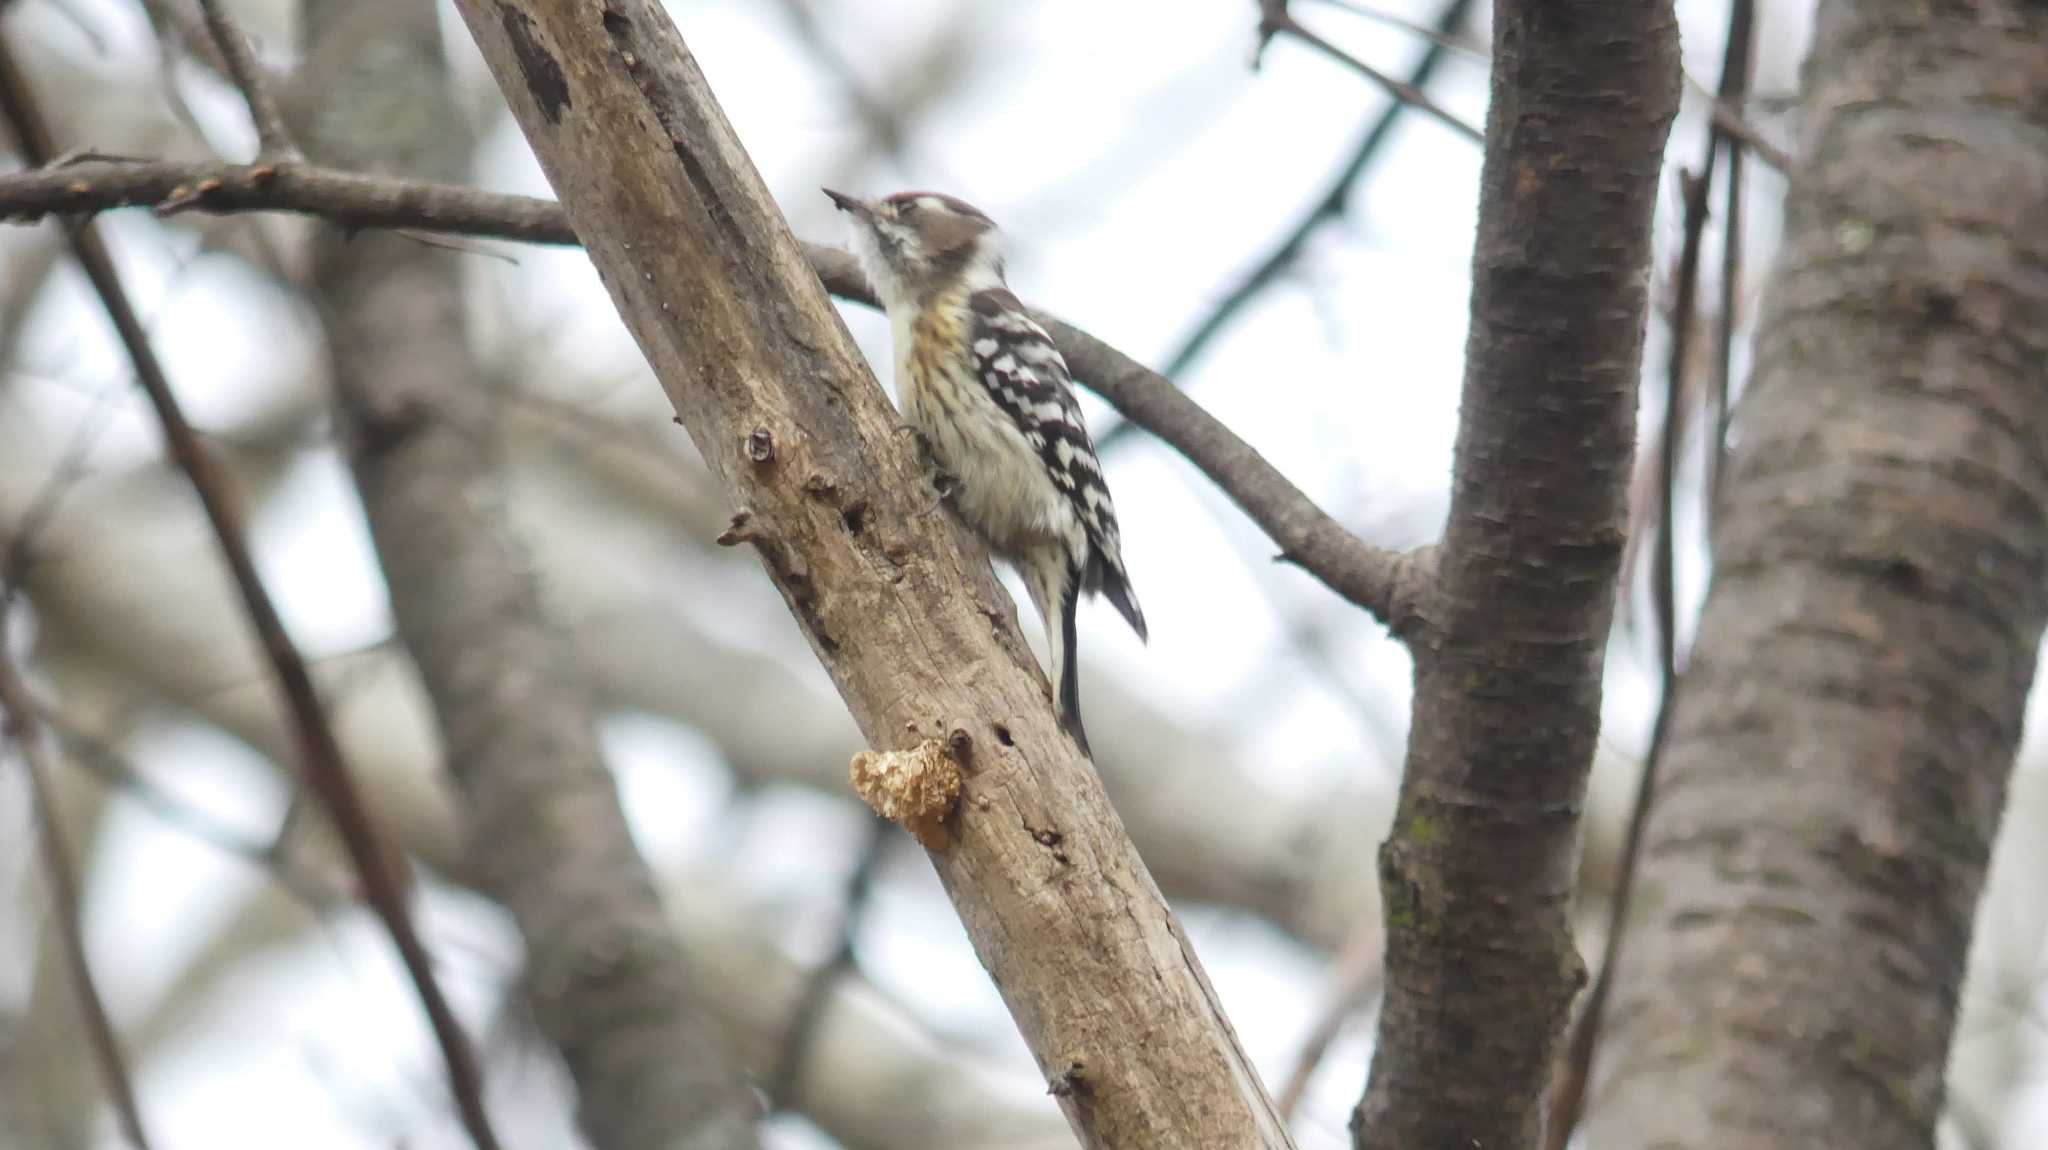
point(1387, 584)
point(803, 1020)
point(1274, 18)
point(176, 23)
point(49, 497)
point(1730, 123)
point(273, 142)
point(104, 761)
point(885, 125)
point(1435, 35)
point(1335, 201)
point(1684, 309)
point(1354, 978)
point(20, 723)
point(1725, 112)
point(320, 753)
point(1741, 27)
point(344, 198)
point(173, 20)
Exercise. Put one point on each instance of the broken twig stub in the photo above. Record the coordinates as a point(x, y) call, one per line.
point(915, 789)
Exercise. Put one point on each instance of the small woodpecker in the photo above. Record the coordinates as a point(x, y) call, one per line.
point(990, 398)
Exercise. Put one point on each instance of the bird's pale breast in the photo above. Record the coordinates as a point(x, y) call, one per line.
point(1005, 493)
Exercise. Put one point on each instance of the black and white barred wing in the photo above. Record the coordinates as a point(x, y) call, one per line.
point(1027, 376)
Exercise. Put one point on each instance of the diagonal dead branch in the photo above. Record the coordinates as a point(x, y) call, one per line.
point(898, 604)
point(273, 141)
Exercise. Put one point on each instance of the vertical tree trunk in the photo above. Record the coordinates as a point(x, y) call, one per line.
point(1478, 870)
point(1841, 740)
point(604, 974)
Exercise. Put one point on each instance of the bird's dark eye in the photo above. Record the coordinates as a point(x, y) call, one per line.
point(906, 208)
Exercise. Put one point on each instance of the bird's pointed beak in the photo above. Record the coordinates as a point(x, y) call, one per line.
point(846, 203)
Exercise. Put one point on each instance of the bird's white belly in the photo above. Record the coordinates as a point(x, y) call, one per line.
point(1005, 492)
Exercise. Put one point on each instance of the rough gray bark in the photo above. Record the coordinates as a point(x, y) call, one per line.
point(1477, 875)
point(898, 604)
point(1843, 735)
point(605, 975)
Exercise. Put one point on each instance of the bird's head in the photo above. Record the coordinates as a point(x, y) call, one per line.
point(915, 245)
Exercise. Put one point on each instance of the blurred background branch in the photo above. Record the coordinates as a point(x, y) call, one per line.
point(318, 753)
point(19, 721)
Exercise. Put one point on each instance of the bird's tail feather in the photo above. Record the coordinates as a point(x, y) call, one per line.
point(1067, 666)
point(1116, 587)
point(1056, 593)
